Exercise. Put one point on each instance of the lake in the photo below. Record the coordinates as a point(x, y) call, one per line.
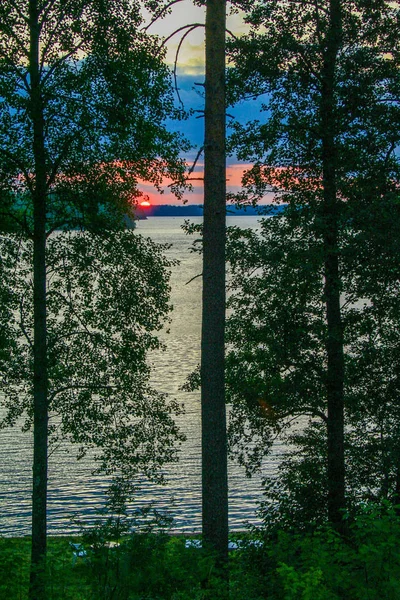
point(72, 488)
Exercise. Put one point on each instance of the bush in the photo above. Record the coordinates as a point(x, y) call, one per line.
point(321, 565)
point(288, 565)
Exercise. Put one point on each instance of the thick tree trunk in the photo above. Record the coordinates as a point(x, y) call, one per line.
point(40, 407)
point(214, 447)
point(331, 213)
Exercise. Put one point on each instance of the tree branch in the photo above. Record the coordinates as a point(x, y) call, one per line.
point(193, 278)
point(14, 67)
point(91, 387)
point(20, 166)
point(22, 324)
point(60, 61)
point(176, 61)
point(306, 410)
point(161, 13)
point(17, 10)
point(192, 25)
point(57, 162)
point(9, 31)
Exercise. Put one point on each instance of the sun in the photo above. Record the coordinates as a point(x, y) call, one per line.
point(145, 203)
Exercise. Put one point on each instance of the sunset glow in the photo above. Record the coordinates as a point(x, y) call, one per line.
point(145, 203)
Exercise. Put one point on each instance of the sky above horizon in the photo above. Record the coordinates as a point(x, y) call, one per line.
point(190, 70)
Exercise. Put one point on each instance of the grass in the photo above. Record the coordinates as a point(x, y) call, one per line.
point(64, 580)
point(318, 565)
point(144, 566)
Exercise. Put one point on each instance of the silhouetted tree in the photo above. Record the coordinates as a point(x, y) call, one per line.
point(83, 96)
point(214, 447)
point(330, 74)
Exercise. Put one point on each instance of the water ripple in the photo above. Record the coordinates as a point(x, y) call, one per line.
point(73, 490)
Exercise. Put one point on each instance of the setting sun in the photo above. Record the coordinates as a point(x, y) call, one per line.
point(145, 203)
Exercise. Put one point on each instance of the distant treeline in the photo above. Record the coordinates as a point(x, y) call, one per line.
point(196, 210)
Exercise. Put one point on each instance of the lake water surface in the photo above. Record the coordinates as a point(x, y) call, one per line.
point(72, 488)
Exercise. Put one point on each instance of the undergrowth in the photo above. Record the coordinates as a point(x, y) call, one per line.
point(319, 565)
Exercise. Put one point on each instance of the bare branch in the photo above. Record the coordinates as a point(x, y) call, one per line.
point(192, 168)
point(192, 25)
point(391, 149)
point(57, 162)
point(305, 410)
point(193, 278)
point(161, 13)
point(235, 37)
point(176, 61)
point(308, 63)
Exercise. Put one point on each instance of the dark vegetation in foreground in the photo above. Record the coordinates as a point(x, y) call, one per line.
point(317, 565)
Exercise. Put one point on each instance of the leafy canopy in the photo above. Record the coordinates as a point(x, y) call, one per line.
point(107, 298)
point(105, 95)
point(276, 363)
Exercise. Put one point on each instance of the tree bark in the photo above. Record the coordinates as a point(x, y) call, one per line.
point(396, 497)
point(331, 222)
point(40, 405)
point(214, 444)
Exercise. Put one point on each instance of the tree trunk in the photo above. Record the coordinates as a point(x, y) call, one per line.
point(331, 221)
point(40, 407)
point(396, 497)
point(214, 446)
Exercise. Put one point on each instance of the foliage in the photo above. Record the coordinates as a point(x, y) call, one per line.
point(84, 96)
point(323, 278)
point(152, 566)
point(107, 297)
point(282, 58)
point(275, 369)
point(322, 564)
point(7, 300)
point(365, 566)
point(105, 94)
point(274, 333)
point(64, 582)
point(284, 566)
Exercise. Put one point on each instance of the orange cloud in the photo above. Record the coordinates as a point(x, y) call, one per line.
point(234, 174)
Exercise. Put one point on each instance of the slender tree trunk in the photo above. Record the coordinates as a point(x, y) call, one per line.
point(396, 497)
point(214, 447)
point(40, 407)
point(331, 212)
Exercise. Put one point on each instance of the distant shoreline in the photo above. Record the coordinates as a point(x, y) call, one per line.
point(196, 210)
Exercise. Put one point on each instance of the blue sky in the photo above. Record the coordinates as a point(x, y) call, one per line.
point(191, 70)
